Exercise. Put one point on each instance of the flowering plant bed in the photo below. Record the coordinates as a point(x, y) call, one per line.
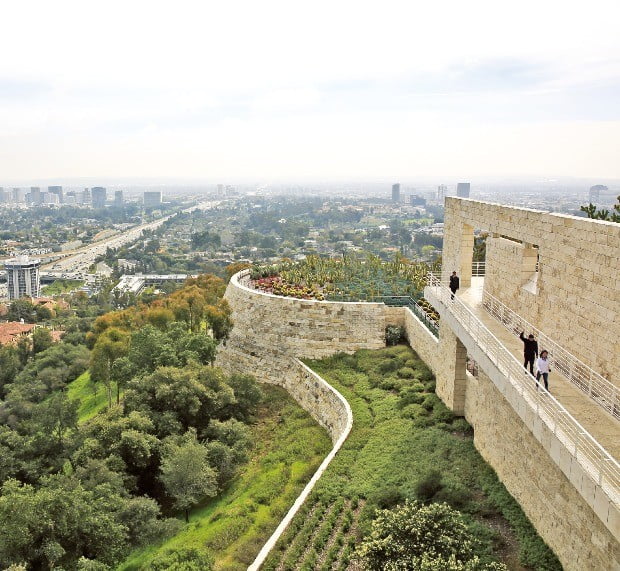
point(343, 279)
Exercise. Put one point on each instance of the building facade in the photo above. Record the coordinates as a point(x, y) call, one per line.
point(152, 198)
point(462, 189)
point(23, 277)
point(396, 192)
point(99, 195)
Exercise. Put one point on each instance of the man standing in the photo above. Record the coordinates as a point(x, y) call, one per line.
point(530, 350)
point(454, 284)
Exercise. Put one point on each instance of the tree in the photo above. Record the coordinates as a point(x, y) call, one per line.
point(110, 345)
point(185, 472)
point(21, 309)
point(603, 214)
point(41, 340)
point(416, 536)
point(9, 366)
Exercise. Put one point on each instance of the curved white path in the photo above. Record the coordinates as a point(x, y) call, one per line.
point(262, 555)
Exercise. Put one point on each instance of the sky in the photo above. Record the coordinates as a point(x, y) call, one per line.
point(277, 90)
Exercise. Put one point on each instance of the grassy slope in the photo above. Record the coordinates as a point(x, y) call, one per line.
point(289, 446)
point(91, 403)
point(392, 448)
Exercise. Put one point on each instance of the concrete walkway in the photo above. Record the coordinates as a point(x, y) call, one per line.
point(601, 425)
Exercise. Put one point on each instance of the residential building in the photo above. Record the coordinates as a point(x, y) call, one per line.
point(118, 198)
point(23, 277)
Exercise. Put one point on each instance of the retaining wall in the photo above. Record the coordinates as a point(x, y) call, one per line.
point(548, 498)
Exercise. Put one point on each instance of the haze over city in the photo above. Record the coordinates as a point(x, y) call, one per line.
point(276, 90)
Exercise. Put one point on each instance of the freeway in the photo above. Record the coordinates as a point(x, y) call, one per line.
point(79, 261)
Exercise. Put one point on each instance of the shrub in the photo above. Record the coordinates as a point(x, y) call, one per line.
point(183, 559)
point(406, 373)
point(415, 536)
point(429, 486)
point(393, 334)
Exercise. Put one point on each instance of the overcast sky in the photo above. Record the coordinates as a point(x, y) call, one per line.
point(229, 90)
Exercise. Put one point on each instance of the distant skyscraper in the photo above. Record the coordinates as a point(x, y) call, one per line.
point(3, 195)
point(19, 195)
point(57, 190)
point(86, 199)
point(99, 195)
point(396, 192)
point(595, 192)
point(22, 275)
point(35, 195)
point(442, 189)
point(118, 198)
point(152, 198)
point(462, 189)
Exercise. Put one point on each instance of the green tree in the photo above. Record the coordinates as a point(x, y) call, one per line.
point(21, 309)
point(603, 214)
point(186, 473)
point(9, 366)
point(41, 339)
point(416, 536)
point(111, 345)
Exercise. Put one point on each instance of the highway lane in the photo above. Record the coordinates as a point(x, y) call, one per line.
point(82, 259)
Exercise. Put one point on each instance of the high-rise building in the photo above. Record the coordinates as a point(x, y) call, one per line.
point(152, 198)
point(19, 195)
point(57, 190)
point(99, 196)
point(396, 192)
point(442, 189)
point(3, 195)
point(595, 192)
point(22, 275)
point(462, 189)
point(35, 195)
point(118, 198)
point(86, 199)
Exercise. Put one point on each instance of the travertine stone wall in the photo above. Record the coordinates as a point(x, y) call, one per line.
point(270, 331)
point(577, 298)
point(549, 499)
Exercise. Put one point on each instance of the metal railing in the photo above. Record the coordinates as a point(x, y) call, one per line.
point(593, 458)
point(598, 388)
point(478, 269)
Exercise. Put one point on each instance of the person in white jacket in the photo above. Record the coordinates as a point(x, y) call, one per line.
point(542, 368)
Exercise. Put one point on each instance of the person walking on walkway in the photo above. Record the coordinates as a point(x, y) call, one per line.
point(454, 284)
point(542, 368)
point(530, 351)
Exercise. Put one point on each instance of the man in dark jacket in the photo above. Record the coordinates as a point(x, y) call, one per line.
point(530, 350)
point(454, 284)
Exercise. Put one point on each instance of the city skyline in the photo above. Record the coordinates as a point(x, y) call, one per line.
point(272, 91)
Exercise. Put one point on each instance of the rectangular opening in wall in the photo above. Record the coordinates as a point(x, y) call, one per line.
point(530, 268)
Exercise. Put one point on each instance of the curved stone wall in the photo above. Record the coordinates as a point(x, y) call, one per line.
point(271, 331)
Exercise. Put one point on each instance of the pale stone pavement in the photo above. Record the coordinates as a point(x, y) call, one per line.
point(598, 422)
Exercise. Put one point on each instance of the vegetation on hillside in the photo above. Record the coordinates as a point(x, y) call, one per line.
point(82, 494)
point(405, 445)
point(288, 446)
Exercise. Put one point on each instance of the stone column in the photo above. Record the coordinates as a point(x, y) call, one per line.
point(451, 371)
